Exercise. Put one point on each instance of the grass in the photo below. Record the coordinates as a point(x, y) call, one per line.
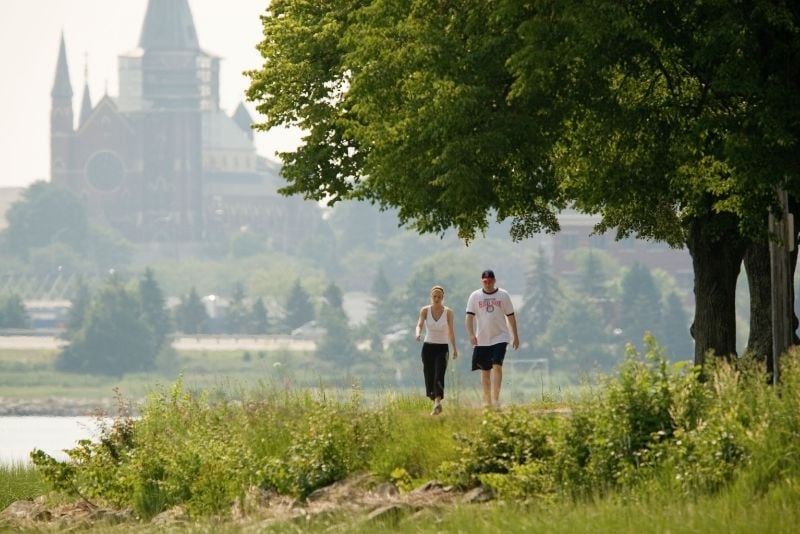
point(650, 449)
point(232, 436)
point(19, 481)
point(730, 512)
point(30, 374)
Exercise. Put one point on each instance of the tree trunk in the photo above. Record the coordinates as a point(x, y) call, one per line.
point(717, 250)
point(794, 209)
point(756, 265)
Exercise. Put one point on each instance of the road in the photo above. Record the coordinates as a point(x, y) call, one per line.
point(212, 343)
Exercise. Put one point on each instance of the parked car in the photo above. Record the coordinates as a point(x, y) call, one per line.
point(309, 330)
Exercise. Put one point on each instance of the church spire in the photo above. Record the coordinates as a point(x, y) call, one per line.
point(168, 25)
point(62, 88)
point(86, 103)
point(243, 120)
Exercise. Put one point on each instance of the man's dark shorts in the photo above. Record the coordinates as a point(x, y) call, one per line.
point(484, 357)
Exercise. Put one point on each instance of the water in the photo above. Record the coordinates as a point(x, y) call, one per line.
point(20, 435)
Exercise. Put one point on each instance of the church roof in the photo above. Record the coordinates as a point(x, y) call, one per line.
point(86, 105)
point(168, 25)
point(222, 132)
point(243, 119)
point(62, 86)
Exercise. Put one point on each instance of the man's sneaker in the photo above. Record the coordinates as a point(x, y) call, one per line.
point(437, 409)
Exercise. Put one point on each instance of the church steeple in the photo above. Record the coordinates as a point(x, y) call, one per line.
point(61, 117)
point(168, 25)
point(86, 102)
point(62, 88)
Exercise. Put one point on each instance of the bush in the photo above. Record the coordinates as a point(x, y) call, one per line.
point(503, 441)
point(652, 427)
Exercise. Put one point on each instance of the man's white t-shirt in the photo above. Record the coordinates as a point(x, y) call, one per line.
point(490, 310)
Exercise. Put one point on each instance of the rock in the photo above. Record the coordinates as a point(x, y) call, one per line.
point(20, 510)
point(174, 515)
point(428, 486)
point(255, 499)
point(386, 489)
point(391, 513)
point(477, 495)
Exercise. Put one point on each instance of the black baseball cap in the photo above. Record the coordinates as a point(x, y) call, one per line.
point(488, 273)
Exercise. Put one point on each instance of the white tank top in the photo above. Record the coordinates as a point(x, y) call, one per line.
point(436, 331)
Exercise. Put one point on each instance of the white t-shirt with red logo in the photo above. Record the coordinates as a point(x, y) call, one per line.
point(490, 310)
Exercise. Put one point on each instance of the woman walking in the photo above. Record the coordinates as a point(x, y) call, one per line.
point(437, 320)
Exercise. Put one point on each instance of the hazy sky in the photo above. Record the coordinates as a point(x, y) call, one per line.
point(100, 30)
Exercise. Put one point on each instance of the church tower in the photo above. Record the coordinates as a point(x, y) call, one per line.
point(172, 65)
point(62, 131)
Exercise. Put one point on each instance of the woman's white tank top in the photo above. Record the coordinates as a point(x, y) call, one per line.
point(436, 331)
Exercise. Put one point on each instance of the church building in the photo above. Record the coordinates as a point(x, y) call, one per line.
point(161, 161)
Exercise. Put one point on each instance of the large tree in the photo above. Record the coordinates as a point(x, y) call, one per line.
point(542, 295)
point(673, 120)
point(44, 215)
point(154, 308)
point(640, 305)
point(191, 316)
point(114, 339)
point(682, 140)
point(299, 308)
point(12, 312)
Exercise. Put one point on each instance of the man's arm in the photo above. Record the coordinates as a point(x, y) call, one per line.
point(469, 323)
point(512, 324)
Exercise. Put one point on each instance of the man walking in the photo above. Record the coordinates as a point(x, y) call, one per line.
point(491, 308)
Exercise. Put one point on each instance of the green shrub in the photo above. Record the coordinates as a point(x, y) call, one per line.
point(411, 441)
point(652, 428)
point(503, 441)
point(329, 441)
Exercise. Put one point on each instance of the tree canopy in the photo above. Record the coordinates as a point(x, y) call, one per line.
point(672, 120)
point(114, 338)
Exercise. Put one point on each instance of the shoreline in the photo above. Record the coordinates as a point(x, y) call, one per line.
point(58, 407)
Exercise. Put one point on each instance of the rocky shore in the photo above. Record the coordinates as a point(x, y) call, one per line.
point(361, 498)
point(58, 407)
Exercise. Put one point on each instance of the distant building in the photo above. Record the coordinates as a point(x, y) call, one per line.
point(576, 232)
point(162, 161)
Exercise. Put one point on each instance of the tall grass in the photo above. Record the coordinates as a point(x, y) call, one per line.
point(19, 481)
point(649, 443)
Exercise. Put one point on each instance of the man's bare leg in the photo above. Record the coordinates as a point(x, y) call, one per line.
point(497, 382)
point(486, 382)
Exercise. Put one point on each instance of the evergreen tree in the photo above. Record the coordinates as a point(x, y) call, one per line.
point(334, 297)
point(336, 345)
point(12, 312)
point(154, 308)
point(576, 336)
point(540, 299)
point(299, 309)
point(114, 338)
point(677, 339)
point(593, 277)
point(258, 321)
point(236, 314)
point(78, 308)
point(191, 315)
point(380, 316)
point(46, 214)
point(640, 305)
